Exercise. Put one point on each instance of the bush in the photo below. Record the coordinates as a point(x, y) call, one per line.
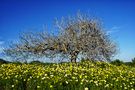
point(117, 62)
point(17, 62)
point(133, 61)
point(2, 61)
point(36, 62)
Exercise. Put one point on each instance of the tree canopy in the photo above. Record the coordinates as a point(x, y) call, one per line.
point(76, 35)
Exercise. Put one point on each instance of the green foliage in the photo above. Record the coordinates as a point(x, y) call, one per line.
point(128, 63)
point(35, 62)
point(133, 60)
point(2, 61)
point(67, 76)
point(40, 63)
point(17, 62)
point(117, 62)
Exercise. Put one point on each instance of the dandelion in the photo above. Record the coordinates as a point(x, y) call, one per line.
point(107, 85)
point(131, 83)
point(85, 76)
point(45, 74)
point(86, 88)
point(73, 77)
point(13, 86)
point(125, 87)
point(80, 76)
point(81, 83)
point(51, 86)
point(66, 82)
point(43, 78)
point(51, 75)
point(38, 86)
point(65, 75)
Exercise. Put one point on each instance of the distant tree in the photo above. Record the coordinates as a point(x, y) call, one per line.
point(36, 62)
point(117, 62)
point(77, 35)
point(133, 60)
point(2, 61)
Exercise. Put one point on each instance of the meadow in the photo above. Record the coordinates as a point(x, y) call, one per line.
point(67, 76)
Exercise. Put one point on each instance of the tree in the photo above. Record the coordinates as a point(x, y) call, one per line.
point(133, 60)
point(77, 35)
point(117, 62)
point(2, 61)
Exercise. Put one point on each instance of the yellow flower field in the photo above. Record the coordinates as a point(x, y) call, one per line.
point(67, 76)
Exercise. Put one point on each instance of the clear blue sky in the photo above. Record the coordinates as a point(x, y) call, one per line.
point(118, 16)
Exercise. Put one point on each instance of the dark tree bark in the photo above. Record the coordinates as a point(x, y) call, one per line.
point(74, 56)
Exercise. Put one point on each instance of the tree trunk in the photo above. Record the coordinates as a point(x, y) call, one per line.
point(74, 56)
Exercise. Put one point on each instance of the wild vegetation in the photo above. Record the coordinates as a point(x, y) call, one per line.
point(67, 76)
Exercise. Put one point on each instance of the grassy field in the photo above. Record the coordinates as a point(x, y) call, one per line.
point(67, 76)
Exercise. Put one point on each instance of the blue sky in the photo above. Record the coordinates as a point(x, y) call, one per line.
point(118, 17)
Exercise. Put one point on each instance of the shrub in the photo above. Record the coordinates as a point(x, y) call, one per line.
point(2, 61)
point(117, 62)
point(36, 62)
